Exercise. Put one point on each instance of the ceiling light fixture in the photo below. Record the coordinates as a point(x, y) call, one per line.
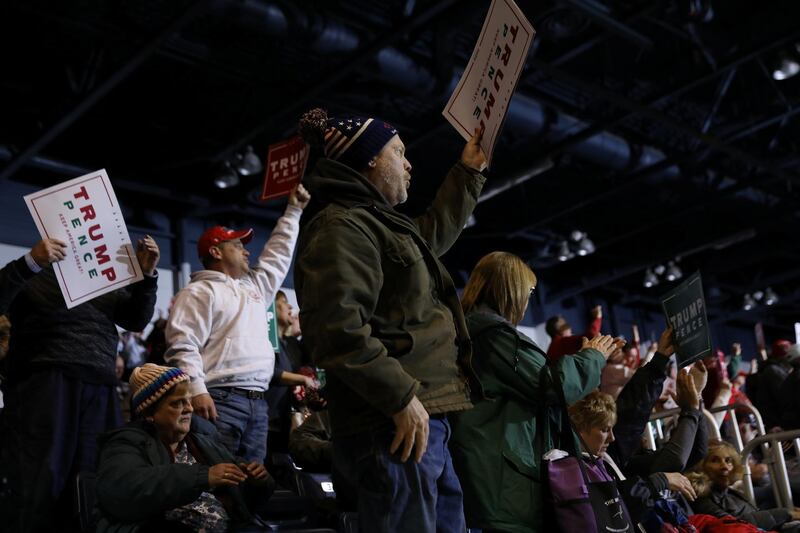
point(785, 68)
point(673, 272)
point(585, 246)
point(770, 298)
point(248, 163)
point(748, 303)
point(227, 178)
point(650, 279)
point(563, 251)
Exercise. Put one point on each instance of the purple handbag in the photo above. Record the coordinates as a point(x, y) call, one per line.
point(582, 505)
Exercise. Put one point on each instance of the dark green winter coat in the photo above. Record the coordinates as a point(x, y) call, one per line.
point(497, 446)
point(137, 482)
point(378, 309)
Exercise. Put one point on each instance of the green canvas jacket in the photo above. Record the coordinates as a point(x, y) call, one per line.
point(497, 446)
point(378, 309)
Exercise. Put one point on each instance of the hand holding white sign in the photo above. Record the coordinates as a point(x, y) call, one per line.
point(84, 215)
point(473, 155)
point(147, 253)
point(483, 94)
point(48, 251)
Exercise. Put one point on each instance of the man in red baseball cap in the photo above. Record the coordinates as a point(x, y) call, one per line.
point(218, 330)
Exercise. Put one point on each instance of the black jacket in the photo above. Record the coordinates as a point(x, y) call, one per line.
point(769, 378)
point(634, 405)
point(83, 340)
point(730, 502)
point(137, 482)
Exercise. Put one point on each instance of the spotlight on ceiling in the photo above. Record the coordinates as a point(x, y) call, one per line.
point(650, 279)
point(563, 251)
point(785, 68)
point(227, 178)
point(248, 163)
point(659, 270)
point(673, 272)
point(758, 295)
point(748, 303)
point(577, 235)
point(770, 298)
point(585, 246)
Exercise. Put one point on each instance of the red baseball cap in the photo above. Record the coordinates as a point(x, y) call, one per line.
point(780, 348)
point(217, 234)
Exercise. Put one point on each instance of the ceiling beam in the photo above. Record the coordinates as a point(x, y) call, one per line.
point(100, 91)
point(602, 16)
point(289, 106)
point(597, 127)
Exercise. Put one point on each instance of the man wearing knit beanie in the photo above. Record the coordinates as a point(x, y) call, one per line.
point(218, 332)
point(381, 315)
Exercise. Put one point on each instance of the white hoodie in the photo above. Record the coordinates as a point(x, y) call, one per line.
point(218, 332)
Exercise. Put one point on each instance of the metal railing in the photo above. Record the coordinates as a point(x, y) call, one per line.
point(780, 482)
point(656, 426)
point(774, 460)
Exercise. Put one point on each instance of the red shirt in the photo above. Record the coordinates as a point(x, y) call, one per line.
point(561, 345)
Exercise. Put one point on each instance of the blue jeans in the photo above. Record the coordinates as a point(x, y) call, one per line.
point(393, 496)
point(242, 424)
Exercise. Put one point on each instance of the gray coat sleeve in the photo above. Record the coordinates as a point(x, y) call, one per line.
point(674, 455)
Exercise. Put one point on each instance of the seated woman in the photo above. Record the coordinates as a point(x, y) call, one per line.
point(720, 469)
point(156, 474)
point(594, 418)
point(497, 445)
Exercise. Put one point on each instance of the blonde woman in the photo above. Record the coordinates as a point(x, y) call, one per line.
point(721, 468)
point(594, 418)
point(497, 445)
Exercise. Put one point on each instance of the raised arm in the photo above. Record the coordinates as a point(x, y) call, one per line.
point(636, 401)
point(275, 258)
point(455, 200)
point(135, 304)
point(15, 274)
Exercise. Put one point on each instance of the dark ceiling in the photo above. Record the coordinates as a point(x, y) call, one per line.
point(655, 126)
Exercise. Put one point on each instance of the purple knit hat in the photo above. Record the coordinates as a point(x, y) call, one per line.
point(353, 141)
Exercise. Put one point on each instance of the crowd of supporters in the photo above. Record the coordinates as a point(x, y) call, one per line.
point(423, 411)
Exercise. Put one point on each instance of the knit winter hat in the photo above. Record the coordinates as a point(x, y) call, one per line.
point(150, 382)
point(352, 140)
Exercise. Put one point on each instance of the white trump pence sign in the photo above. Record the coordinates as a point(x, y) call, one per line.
point(85, 214)
point(484, 92)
